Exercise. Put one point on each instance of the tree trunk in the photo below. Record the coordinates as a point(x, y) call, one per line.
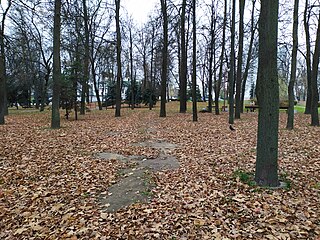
point(239, 66)
point(290, 118)
point(55, 119)
point(306, 17)
point(44, 89)
point(95, 84)
point(232, 65)
point(3, 104)
point(194, 65)
point(268, 97)
point(249, 57)
point(119, 73)
point(164, 59)
point(203, 80)
point(217, 85)
point(211, 56)
point(132, 82)
point(314, 78)
point(183, 62)
point(2, 81)
point(3, 85)
point(85, 87)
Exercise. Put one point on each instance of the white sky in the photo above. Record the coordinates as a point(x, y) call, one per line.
point(139, 9)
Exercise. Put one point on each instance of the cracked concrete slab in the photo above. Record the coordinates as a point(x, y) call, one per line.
point(135, 183)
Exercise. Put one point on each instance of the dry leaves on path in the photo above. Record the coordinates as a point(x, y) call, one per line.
point(50, 180)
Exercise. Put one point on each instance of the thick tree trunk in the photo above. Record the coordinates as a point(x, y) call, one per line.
point(239, 66)
point(55, 119)
point(290, 118)
point(194, 65)
point(119, 72)
point(232, 65)
point(183, 62)
point(164, 59)
point(268, 97)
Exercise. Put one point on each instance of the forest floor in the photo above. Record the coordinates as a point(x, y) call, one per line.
point(59, 184)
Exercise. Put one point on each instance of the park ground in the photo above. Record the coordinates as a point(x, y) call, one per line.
point(51, 181)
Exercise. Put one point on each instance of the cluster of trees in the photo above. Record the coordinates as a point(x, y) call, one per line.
point(68, 51)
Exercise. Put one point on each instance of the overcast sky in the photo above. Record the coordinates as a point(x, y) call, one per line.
point(139, 9)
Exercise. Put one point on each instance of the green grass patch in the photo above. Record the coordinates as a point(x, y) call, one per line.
point(248, 178)
point(245, 177)
point(147, 193)
point(299, 108)
point(317, 185)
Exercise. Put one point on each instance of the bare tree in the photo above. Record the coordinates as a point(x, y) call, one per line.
point(86, 61)
point(249, 55)
point(55, 118)
point(268, 96)
point(211, 54)
point(290, 118)
point(232, 64)
point(164, 72)
point(183, 61)
point(119, 72)
point(217, 84)
point(306, 18)
point(239, 65)
point(314, 79)
point(3, 93)
point(194, 64)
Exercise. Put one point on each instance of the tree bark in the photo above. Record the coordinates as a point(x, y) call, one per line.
point(194, 65)
point(266, 173)
point(151, 86)
point(3, 84)
point(217, 85)
point(239, 66)
point(249, 57)
point(314, 80)
point(183, 62)
point(232, 65)
point(132, 82)
point(95, 84)
point(290, 118)
point(211, 56)
point(86, 60)
point(44, 88)
point(306, 17)
point(164, 72)
point(55, 119)
point(119, 73)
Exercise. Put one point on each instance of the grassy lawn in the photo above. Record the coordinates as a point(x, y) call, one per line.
point(299, 108)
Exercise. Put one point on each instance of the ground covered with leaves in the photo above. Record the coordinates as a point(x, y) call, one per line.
point(51, 180)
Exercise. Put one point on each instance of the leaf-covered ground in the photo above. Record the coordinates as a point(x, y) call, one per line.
point(50, 180)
